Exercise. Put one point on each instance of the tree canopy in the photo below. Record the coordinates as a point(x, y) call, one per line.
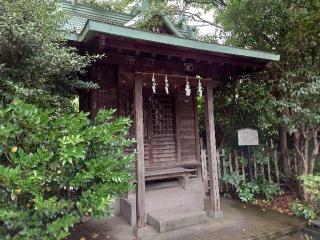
point(36, 65)
point(291, 29)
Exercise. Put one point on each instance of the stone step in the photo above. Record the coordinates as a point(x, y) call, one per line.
point(173, 218)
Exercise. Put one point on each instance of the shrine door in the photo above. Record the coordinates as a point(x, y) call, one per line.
point(159, 130)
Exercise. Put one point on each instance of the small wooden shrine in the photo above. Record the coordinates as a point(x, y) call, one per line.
point(155, 77)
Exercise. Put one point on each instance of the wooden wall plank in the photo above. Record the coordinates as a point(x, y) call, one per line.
point(196, 128)
point(188, 146)
point(178, 143)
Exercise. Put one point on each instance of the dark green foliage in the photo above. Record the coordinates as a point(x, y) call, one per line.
point(57, 168)
point(243, 103)
point(248, 192)
point(309, 209)
point(114, 5)
point(311, 185)
point(290, 87)
point(36, 65)
point(269, 190)
point(245, 191)
point(303, 210)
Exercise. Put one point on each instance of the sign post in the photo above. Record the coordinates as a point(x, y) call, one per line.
point(248, 137)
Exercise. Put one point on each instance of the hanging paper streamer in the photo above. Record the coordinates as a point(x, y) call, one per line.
point(154, 84)
point(166, 84)
point(200, 88)
point(188, 89)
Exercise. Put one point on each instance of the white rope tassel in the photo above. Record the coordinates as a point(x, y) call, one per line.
point(200, 89)
point(154, 84)
point(166, 84)
point(188, 89)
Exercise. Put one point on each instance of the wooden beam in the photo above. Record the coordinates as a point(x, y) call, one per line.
point(214, 203)
point(174, 51)
point(140, 170)
point(170, 66)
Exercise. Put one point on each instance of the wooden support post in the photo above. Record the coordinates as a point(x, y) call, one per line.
point(255, 168)
point(295, 162)
point(269, 169)
point(236, 160)
point(262, 172)
point(93, 103)
point(275, 159)
point(224, 169)
point(213, 208)
point(242, 166)
point(140, 171)
point(231, 168)
point(204, 170)
point(230, 163)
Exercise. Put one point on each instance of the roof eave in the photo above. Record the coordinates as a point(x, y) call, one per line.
point(93, 26)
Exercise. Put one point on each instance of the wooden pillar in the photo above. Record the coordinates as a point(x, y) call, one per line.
point(140, 171)
point(213, 206)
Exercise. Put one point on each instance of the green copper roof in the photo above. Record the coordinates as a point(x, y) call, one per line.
point(84, 22)
point(80, 14)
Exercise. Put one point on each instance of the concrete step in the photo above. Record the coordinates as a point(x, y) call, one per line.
point(173, 218)
point(175, 196)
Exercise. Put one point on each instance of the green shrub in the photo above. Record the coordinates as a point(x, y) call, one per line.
point(269, 190)
point(250, 191)
point(303, 210)
point(309, 209)
point(245, 191)
point(311, 184)
point(55, 170)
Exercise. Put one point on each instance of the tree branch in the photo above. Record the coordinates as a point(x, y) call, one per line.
point(300, 153)
point(196, 17)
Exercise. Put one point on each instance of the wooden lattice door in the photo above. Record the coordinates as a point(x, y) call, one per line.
point(159, 130)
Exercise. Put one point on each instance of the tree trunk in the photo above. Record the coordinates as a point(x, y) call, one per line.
point(315, 151)
point(301, 146)
point(284, 149)
point(306, 162)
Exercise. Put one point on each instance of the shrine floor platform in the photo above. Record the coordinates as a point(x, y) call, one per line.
point(240, 221)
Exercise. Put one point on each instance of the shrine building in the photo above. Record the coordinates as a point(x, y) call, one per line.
point(155, 77)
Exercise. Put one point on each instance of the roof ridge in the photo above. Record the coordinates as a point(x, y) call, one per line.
point(116, 18)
